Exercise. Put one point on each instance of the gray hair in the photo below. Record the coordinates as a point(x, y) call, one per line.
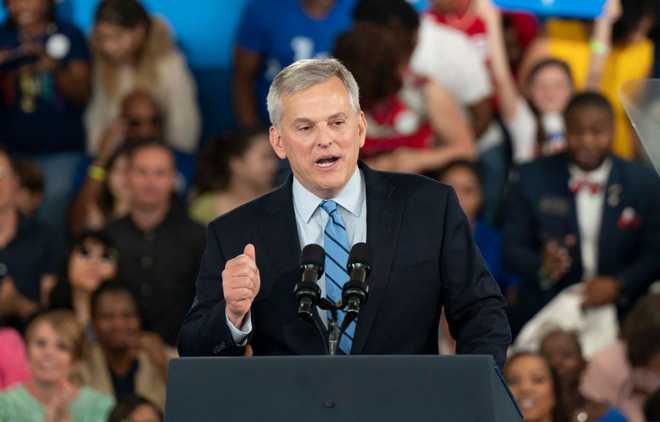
point(303, 74)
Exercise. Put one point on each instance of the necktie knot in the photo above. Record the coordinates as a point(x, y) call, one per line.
point(329, 206)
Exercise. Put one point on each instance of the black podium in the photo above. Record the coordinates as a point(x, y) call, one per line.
point(339, 388)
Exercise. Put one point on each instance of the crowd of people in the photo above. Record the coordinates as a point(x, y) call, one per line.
point(101, 233)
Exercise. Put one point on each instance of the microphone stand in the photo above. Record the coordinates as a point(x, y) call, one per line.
point(336, 330)
point(334, 333)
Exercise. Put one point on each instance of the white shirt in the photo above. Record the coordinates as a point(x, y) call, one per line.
point(589, 209)
point(311, 221)
point(447, 56)
point(522, 128)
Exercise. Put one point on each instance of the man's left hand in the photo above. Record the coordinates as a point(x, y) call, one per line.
point(600, 291)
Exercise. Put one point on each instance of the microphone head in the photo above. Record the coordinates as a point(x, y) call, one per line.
point(313, 254)
point(359, 255)
point(58, 46)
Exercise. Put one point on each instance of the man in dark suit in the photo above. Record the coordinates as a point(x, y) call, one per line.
point(583, 216)
point(420, 244)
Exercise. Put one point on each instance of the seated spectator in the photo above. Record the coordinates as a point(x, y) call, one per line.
point(463, 176)
point(92, 260)
point(30, 186)
point(628, 372)
point(104, 195)
point(652, 407)
point(160, 247)
point(231, 172)
point(54, 346)
point(28, 253)
point(135, 409)
point(412, 124)
point(147, 59)
point(271, 36)
point(140, 118)
point(125, 360)
point(45, 80)
point(564, 353)
point(534, 385)
point(534, 117)
point(603, 55)
point(13, 359)
point(584, 216)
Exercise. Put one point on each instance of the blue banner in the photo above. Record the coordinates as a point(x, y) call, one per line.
point(588, 9)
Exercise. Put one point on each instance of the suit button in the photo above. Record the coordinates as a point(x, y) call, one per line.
point(219, 348)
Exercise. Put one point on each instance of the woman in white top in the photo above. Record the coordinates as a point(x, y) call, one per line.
point(533, 117)
point(133, 50)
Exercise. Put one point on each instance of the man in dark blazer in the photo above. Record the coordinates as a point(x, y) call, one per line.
point(420, 245)
point(584, 215)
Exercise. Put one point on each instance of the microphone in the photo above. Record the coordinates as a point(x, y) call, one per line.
point(307, 291)
point(355, 291)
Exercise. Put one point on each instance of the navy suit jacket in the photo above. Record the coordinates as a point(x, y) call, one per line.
point(422, 257)
point(541, 207)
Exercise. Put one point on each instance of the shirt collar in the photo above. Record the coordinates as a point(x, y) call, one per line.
point(350, 197)
point(599, 175)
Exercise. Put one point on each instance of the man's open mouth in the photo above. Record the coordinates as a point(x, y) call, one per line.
point(326, 161)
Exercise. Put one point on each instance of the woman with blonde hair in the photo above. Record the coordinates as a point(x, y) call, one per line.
point(134, 50)
point(54, 347)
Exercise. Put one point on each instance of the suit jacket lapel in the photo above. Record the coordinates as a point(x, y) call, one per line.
point(278, 233)
point(572, 225)
point(383, 224)
point(612, 205)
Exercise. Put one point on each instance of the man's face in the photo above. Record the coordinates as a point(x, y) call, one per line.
point(27, 12)
point(151, 177)
point(589, 133)
point(8, 183)
point(116, 321)
point(321, 135)
point(142, 119)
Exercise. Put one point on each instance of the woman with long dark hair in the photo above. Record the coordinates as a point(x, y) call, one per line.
point(535, 387)
point(413, 124)
point(91, 261)
point(231, 171)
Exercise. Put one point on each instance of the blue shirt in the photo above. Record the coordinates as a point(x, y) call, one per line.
point(35, 117)
point(282, 33)
point(489, 242)
point(311, 219)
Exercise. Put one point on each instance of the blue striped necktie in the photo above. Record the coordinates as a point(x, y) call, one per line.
point(336, 256)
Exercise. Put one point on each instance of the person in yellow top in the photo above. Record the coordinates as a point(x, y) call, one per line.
point(603, 55)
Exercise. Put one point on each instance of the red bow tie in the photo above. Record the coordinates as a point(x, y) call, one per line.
point(578, 184)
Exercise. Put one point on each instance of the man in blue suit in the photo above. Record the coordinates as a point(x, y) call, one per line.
point(420, 245)
point(585, 215)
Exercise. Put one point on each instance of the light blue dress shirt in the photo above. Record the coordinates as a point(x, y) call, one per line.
point(311, 221)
